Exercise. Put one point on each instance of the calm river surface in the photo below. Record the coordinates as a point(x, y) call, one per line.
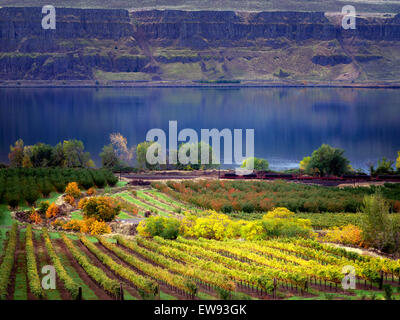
point(289, 123)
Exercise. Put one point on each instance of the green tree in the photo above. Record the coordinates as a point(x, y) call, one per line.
point(259, 164)
point(380, 229)
point(109, 157)
point(384, 166)
point(16, 154)
point(75, 156)
point(202, 147)
point(398, 161)
point(329, 161)
point(41, 155)
point(58, 157)
point(141, 152)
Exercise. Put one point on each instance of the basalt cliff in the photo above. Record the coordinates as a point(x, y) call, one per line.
point(106, 44)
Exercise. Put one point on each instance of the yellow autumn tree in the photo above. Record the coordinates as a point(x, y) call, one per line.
point(279, 212)
point(212, 226)
point(304, 163)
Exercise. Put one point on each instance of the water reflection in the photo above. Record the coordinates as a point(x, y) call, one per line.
point(289, 123)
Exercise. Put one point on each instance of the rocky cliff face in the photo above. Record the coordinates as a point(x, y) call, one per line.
point(172, 44)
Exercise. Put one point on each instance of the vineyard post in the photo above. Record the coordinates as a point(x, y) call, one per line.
point(381, 281)
point(121, 292)
point(274, 291)
point(79, 297)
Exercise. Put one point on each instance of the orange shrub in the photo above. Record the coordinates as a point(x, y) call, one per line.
point(266, 204)
point(216, 204)
point(97, 227)
point(73, 224)
point(70, 200)
point(35, 217)
point(72, 190)
point(52, 211)
point(91, 192)
point(101, 208)
point(348, 234)
point(90, 225)
point(57, 223)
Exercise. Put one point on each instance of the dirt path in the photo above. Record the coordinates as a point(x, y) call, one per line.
point(97, 289)
point(356, 250)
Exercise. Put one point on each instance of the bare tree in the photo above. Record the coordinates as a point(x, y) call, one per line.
point(121, 148)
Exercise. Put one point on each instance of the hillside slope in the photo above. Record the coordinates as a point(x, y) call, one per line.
point(197, 45)
point(375, 6)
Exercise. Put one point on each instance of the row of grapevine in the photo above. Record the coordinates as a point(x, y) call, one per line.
point(31, 265)
point(143, 284)
point(295, 272)
point(370, 267)
point(110, 285)
point(192, 272)
point(366, 270)
point(69, 284)
point(261, 276)
point(154, 272)
point(8, 261)
point(271, 267)
point(237, 275)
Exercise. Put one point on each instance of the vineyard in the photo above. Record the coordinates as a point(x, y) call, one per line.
point(95, 264)
point(91, 268)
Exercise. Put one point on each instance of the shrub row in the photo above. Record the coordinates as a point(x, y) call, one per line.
point(31, 266)
point(69, 284)
point(8, 261)
point(18, 185)
point(261, 196)
point(109, 285)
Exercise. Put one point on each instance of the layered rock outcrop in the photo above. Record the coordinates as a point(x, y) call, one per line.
point(88, 41)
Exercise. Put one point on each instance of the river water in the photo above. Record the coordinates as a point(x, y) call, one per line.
point(289, 123)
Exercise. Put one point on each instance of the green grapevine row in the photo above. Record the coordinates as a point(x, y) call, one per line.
point(69, 284)
point(33, 276)
point(8, 261)
point(190, 271)
point(140, 282)
point(155, 272)
point(109, 285)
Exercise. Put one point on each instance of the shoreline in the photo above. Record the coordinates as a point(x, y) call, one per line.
point(193, 84)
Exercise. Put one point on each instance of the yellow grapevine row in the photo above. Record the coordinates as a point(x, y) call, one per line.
point(189, 271)
point(154, 272)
